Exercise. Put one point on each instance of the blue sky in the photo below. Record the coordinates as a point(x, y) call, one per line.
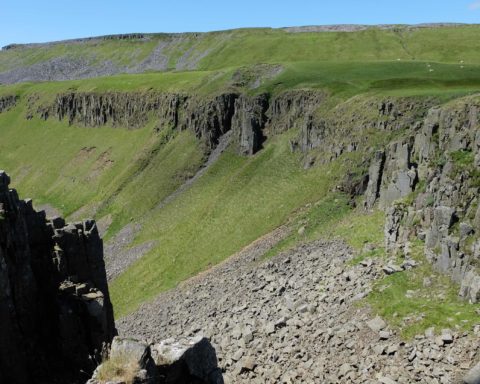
point(24, 21)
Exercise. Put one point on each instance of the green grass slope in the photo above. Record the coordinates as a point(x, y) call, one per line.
point(225, 49)
point(75, 168)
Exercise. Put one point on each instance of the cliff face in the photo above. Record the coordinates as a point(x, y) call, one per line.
point(209, 118)
point(55, 310)
point(250, 117)
point(429, 183)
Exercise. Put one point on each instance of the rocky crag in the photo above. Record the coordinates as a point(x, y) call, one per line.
point(55, 310)
point(428, 182)
point(251, 118)
point(56, 316)
point(7, 102)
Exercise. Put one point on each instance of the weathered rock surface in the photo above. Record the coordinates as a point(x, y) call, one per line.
point(55, 310)
point(250, 118)
point(473, 376)
point(249, 121)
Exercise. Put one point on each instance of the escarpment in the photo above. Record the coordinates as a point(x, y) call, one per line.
point(251, 118)
point(209, 117)
point(55, 309)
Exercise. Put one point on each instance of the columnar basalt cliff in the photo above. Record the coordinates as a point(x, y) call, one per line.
point(209, 117)
point(55, 310)
point(249, 121)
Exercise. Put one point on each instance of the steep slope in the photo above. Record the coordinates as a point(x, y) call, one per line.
point(125, 149)
point(300, 317)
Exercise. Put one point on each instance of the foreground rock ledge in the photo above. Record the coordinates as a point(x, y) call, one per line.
point(55, 309)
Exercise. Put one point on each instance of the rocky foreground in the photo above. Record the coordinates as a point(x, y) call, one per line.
point(295, 319)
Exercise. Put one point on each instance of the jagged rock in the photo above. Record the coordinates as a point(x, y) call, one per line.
point(188, 361)
point(295, 107)
point(394, 216)
point(248, 123)
point(465, 230)
point(377, 324)
point(442, 221)
point(470, 287)
point(130, 351)
point(374, 179)
point(425, 145)
point(402, 174)
point(55, 310)
point(134, 349)
point(390, 269)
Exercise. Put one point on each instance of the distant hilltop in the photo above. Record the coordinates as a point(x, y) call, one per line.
point(299, 29)
point(136, 53)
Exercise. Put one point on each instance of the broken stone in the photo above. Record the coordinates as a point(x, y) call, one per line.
point(377, 324)
point(473, 376)
point(384, 335)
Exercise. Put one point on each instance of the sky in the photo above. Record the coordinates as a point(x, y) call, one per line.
point(23, 21)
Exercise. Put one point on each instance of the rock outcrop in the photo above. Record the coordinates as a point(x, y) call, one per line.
point(7, 102)
point(249, 121)
point(435, 170)
point(251, 118)
point(209, 118)
point(55, 310)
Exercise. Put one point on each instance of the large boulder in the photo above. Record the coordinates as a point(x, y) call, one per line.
point(187, 361)
point(473, 376)
point(129, 361)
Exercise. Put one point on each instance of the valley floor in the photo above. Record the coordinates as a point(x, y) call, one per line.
point(300, 317)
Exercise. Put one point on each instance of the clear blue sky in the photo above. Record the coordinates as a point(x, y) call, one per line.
point(24, 21)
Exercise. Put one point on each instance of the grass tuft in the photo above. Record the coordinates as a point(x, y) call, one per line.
point(119, 368)
point(417, 299)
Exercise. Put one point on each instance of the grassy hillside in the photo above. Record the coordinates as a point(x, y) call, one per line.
point(125, 174)
point(218, 50)
point(343, 79)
